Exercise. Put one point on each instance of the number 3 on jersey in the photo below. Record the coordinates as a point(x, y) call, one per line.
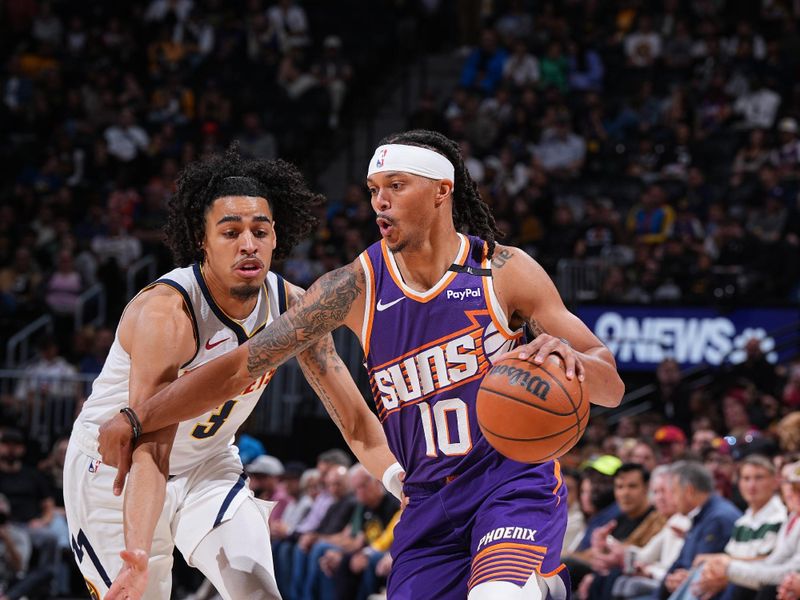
point(215, 421)
point(447, 445)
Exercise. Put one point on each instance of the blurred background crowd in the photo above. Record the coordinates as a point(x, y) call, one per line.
point(652, 146)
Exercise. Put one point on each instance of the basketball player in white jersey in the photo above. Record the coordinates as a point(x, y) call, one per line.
point(186, 486)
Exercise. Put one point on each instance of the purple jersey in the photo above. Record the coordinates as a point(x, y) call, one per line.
point(427, 353)
point(473, 515)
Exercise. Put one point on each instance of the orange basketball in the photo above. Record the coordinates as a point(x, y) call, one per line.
point(531, 413)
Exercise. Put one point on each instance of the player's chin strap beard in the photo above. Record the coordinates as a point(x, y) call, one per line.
point(245, 291)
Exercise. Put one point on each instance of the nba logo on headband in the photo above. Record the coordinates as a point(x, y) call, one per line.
point(381, 157)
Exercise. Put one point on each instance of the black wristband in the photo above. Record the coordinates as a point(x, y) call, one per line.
point(136, 425)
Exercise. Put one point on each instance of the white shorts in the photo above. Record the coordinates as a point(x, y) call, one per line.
point(196, 502)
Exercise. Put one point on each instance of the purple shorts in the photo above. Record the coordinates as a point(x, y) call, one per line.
point(498, 521)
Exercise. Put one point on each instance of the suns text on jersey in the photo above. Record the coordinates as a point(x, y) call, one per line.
point(430, 369)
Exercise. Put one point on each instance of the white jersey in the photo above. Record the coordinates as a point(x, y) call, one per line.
point(215, 334)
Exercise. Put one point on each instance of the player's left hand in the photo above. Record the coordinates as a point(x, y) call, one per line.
point(116, 448)
point(545, 345)
point(132, 579)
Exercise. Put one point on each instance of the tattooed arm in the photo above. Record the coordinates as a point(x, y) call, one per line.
point(336, 298)
point(528, 295)
point(331, 380)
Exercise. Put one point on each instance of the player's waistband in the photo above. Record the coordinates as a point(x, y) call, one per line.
point(85, 440)
point(502, 469)
point(427, 487)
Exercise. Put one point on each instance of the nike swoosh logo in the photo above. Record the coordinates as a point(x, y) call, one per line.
point(209, 345)
point(381, 307)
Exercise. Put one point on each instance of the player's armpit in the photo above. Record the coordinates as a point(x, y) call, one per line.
point(529, 296)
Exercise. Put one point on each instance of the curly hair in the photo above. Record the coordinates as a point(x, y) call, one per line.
point(288, 196)
point(470, 212)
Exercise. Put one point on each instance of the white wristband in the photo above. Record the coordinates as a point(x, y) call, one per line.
point(391, 480)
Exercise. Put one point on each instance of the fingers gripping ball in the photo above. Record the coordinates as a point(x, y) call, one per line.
point(531, 413)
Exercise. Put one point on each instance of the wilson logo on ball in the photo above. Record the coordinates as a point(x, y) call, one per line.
point(516, 376)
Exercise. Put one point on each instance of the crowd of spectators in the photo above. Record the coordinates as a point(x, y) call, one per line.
point(659, 504)
point(102, 105)
point(657, 141)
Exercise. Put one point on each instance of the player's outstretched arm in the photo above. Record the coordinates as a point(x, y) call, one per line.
point(327, 374)
point(529, 295)
point(324, 307)
point(158, 336)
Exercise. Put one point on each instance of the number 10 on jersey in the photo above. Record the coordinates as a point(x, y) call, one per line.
point(440, 432)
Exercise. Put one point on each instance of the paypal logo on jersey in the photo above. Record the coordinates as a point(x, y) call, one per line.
point(463, 294)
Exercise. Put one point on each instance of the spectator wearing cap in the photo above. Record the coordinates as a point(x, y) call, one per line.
point(671, 441)
point(761, 576)
point(712, 519)
point(264, 474)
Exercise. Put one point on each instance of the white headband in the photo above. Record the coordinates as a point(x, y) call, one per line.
point(411, 159)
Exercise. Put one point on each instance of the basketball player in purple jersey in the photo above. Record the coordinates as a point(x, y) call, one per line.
point(433, 308)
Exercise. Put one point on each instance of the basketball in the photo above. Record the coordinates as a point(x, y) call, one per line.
point(531, 413)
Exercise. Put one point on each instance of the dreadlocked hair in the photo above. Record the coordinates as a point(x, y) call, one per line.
point(288, 196)
point(470, 213)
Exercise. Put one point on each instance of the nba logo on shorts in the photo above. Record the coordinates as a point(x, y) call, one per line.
point(381, 158)
point(93, 466)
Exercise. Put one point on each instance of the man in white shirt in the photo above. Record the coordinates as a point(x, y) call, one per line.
point(764, 575)
point(756, 532)
point(759, 107)
point(126, 140)
point(643, 46)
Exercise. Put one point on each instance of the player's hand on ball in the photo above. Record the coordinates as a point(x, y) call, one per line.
point(545, 345)
point(116, 448)
point(132, 579)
